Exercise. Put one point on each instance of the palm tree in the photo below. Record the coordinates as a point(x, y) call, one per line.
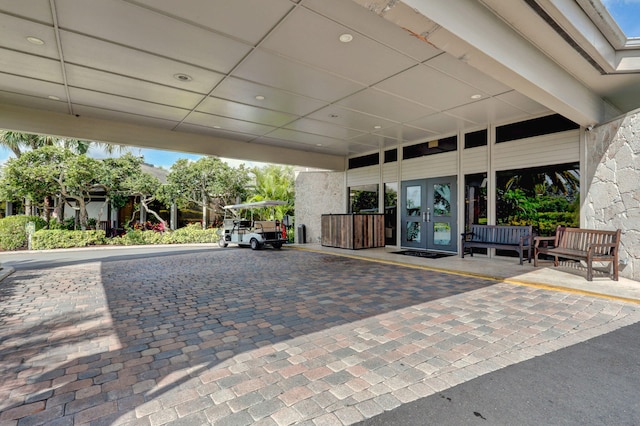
point(274, 183)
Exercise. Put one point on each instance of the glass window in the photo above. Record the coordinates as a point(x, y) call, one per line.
point(390, 212)
point(475, 200)
point(363, 199)
point(544, 197)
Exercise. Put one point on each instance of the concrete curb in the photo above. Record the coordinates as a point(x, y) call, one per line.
point(5, 271)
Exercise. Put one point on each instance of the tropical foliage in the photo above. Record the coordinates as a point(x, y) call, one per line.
point(543, 197)
point(274, 182)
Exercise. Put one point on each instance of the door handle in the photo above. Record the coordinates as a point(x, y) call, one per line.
point(428, 214)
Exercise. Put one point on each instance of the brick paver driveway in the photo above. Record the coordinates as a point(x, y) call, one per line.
point(264, 337)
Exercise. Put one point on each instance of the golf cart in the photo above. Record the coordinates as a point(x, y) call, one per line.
point(247, 232)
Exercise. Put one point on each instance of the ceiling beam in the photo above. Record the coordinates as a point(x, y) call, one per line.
point(27, 120)
point(473, 33)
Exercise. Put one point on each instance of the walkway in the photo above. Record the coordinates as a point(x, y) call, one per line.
point(268, 337)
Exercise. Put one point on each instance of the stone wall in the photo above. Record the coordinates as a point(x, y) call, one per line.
point(613, 185)
point(318, 193)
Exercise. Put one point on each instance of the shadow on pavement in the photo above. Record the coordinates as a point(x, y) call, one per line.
point(178, 316)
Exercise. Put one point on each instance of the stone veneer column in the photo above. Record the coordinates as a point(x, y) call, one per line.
point(613, 185)
point(318, 193)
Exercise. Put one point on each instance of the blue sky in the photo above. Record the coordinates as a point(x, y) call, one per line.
point(627, 14)
point(156, 157)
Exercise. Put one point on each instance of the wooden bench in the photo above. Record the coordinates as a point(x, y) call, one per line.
point(505, 237)
point(589, 245)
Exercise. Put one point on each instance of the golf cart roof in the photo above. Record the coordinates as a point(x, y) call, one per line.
point(257, 204)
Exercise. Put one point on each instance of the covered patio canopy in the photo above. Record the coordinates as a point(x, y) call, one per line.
point(305, 82)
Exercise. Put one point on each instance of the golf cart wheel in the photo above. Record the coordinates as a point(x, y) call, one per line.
point(277, 245)
point(222, 242)
point(255, 245)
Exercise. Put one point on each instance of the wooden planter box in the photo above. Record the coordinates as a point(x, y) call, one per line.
point(353, 231)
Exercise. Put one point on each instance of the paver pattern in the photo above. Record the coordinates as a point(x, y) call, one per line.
point(239, 337)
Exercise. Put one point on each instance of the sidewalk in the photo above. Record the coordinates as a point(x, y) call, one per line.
point(567, 276)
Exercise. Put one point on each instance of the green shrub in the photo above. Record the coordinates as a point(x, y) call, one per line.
point(136, 237)
point(13, 233)
point(60, 238)
point(191, 234)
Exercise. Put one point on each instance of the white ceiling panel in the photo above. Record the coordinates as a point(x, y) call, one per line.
point(226, 108)
point(226, 123)
point(86, 78)
point(440, 123)
point(12, 62)
point(119, 103)
point(429, 87)
point(248, 20)
point(31, 87)
point(15, 32)
point(374, 27)
point(372, 141)
point(245, 92)
point(352, 119)
point(218, 133)
point(33, 102)
point(487, 110)
point(523, 103)
point(462, 71)
point(405, 133)
point(362, 59)
point(382, 104)
point(38, 10)
point(276, 71)
point(305, 138)
point(110, 57)
point(124, 117)
point(322, 128)
point(131, 25)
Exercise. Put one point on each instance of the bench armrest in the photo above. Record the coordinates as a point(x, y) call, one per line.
point(538, 239)
point(526, 238)
point(465, 235)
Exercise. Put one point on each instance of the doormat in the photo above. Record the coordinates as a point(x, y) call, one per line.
point(422, 253)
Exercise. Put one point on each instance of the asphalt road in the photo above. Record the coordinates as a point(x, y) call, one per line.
point(50, 259)
point(592, 383)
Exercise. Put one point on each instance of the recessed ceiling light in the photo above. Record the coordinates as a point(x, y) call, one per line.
point(182, 77)
point(35, 40)
point(216, 127)
point(377, 127)
point(318, 144)
point(346, 38)
point(476, 96)
point(260, 97)
point(53, 98)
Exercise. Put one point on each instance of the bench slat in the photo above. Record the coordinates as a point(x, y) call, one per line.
point(589, 245)
point(506, 237)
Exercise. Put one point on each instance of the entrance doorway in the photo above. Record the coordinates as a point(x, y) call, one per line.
point(429, 214)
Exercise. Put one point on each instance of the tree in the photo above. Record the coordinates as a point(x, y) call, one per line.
point(20, 143)
point(123, 178)
point(53, 171)
point(275, 182)
point(209, 183)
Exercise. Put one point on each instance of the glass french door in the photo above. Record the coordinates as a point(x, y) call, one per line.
point(429, 214)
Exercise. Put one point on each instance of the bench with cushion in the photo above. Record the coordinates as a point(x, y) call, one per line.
point(505, 237)
point(588, 245)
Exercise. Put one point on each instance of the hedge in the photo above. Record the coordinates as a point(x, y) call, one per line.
point(60, 238)
point(13, 232)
